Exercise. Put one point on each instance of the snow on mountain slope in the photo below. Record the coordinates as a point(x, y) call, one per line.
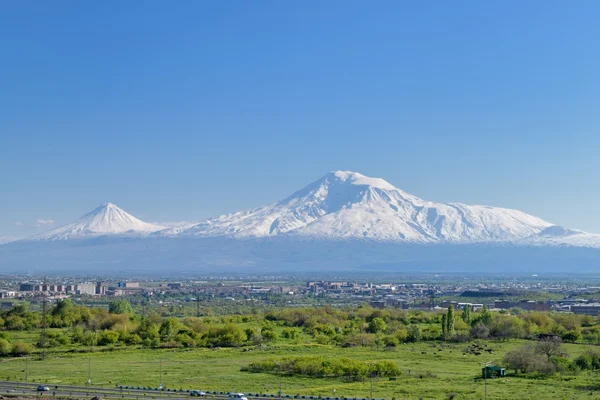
point(7, 239)
point(107, 219)
point(345, 204)
point(561, 236)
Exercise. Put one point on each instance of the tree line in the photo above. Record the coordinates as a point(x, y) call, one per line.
point(119, 325)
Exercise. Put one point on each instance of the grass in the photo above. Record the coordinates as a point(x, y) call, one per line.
point(428, 372)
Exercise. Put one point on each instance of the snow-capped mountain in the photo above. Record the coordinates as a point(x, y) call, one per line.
point(344, 221)
point(344, 205)
point(107, 219)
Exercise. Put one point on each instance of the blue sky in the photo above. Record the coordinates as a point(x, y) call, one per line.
point(189, 109)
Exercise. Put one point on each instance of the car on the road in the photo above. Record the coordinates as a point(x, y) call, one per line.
point(238, 396)
point(198, 393)
point(42, 388)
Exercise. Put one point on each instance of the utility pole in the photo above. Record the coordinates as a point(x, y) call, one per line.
point(371, 380)
point(160, 374)
point(26, 369)
point(485, 385)
point(43, 333)
point(485, 365)
point(431, 298)
point(89, 381)
point(198, 305)
point(280, 380)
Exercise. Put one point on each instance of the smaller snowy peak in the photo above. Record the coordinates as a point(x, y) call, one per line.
point(107, 219)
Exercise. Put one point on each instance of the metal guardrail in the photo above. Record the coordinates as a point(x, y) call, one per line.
point(118, 391)
point(261, 395)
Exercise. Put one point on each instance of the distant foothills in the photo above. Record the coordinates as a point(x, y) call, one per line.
point(342, 221)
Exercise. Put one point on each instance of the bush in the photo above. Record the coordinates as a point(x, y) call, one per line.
point(318, 367)
point(571, 336)
point(528, 359)
point(21, 349)
point(289, 333)
point(584, 362)
point(479, 331)
point(322, 339)
point(120, 307)
point(414, 334)
point(108, 337)
point(4, 347)
point(269, 335)
point(377, 325)
point(590, 360)
point(390, 341)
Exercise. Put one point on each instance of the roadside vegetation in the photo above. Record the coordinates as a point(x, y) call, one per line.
point(312, 349)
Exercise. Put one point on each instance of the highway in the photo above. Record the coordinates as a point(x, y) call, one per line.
point(8, 388)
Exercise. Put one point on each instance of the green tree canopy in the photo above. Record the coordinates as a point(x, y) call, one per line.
point(120, 307)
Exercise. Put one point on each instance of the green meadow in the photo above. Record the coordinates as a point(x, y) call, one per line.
point(429, 371)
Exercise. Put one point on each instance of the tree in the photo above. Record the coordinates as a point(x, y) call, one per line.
point(120, 307)
point(62, 306)
point(524, 359)
point(450, 322)
point(507, 327)
point(480, 331)
point(484, 317)
point(466, 314)
point(377, 325)
point(169, 328)
point(445, 326)
point(549, 347)
point(414, 333)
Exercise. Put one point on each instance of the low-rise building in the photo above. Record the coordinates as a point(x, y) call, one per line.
point(587, 309)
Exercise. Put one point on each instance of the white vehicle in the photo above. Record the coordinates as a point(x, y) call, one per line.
point(239, 396)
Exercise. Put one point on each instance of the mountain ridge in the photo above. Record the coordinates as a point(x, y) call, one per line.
point(343, 205)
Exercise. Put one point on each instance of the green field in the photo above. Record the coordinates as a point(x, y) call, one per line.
point(429, 371)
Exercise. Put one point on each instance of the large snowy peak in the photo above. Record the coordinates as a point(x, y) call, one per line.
point(344, 204)
point(107, 219)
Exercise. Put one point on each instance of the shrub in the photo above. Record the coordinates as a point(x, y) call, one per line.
point(528, 359)
point(108, 337)
point(4, 347)
point(318, 367)
point(571, 336)
point(584, 362)
point(414, 334)
point(21, 349)
point(377, 325)
point(390, 341)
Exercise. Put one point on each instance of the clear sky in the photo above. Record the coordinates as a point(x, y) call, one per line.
point(188, 109)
